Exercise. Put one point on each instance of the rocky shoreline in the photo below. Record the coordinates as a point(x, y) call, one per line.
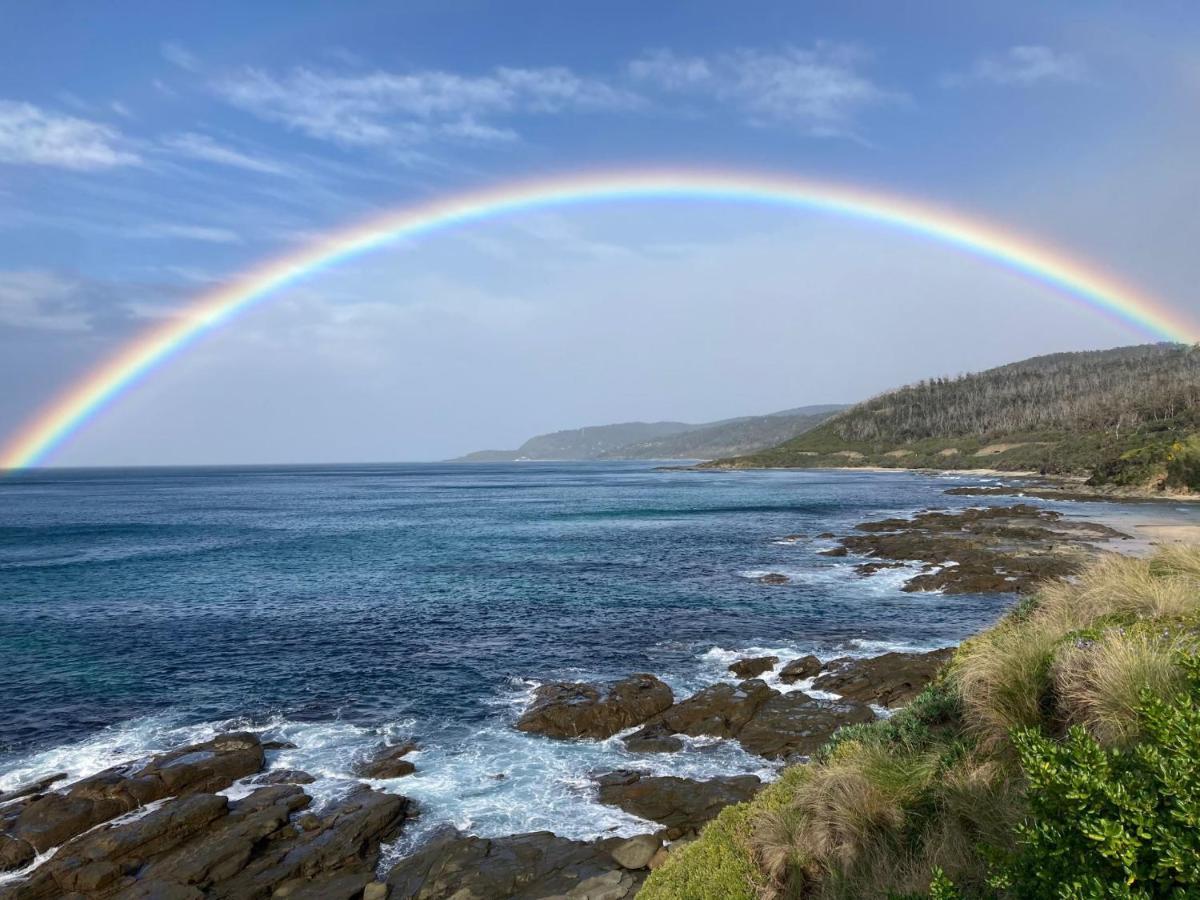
point(217, 819)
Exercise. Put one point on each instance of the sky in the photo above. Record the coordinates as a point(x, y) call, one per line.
point(151, 152)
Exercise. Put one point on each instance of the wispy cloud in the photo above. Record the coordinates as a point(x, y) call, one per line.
point(1022, 66)
point(202, 147)
point(406, 109)
point(176, 231)
point(820, 90)
point(40, 300)
point(30, 135)
point(178, 55)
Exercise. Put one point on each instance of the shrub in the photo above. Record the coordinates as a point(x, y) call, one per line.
point(1108, 822)
point(1183, 464)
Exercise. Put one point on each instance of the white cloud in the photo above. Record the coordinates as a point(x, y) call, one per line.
point(819, 90)
point(1023, 65)
point(386, 108)
point(32, 136)
point(203, 147)
point(171, 230)
point(41, 300)
point(178, 55)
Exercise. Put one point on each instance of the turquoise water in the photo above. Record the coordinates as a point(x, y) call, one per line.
point(338, 606)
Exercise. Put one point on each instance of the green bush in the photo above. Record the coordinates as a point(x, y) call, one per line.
point(1183, 464)
point(1113, 823)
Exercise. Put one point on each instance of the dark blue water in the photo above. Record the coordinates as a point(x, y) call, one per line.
point(336, 604)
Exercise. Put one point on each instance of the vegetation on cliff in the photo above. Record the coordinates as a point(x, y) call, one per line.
point(1058, 755)
point(1127, 416)
point(666, 440)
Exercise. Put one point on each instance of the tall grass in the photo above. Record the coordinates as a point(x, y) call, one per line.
point(939, 787)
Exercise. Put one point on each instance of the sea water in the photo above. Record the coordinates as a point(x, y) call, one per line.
point(341, 607)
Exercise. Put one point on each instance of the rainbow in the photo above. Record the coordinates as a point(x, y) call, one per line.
point(90, 395)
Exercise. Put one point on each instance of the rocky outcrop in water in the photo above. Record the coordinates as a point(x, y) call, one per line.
point(890, 680)
point(681, 805)
point(521, 866)
point(763, 720)
point(388, 762)
point(752, 667)
point(157, 828)
point(800, 668)
point(577, 710)
point(995, 549)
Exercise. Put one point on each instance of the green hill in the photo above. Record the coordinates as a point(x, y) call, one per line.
point(665, 440)
point(1127, 416)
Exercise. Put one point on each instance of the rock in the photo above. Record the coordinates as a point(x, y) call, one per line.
point(826, 535)
point(520, 866)
point(338, 886)
point(389, 762)
point(834, 551)
point(655, 738)
point(15, 853)
point(754, 666)
point(565, 710)
point(799, 669)
point(283, 776)
point(376, 890)
point(278, 745)
point(717, 711)
point(30, 788)
point(195, 843)
point(680, 804)
point(795, 724)
point(890, 680)
point(773, 578)
point(55, 818)
point(637, 852)
point(613, 885)
point(658, 858)
point(348, 839)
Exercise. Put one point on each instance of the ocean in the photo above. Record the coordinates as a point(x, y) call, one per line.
point(336, 607)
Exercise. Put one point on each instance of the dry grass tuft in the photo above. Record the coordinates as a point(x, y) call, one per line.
point(1099, 683)
point(1004, 679)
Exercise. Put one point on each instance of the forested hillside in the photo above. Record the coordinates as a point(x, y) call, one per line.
point(1126, 416)
point(744, 435)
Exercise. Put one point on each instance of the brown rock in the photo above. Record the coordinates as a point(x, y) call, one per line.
point(890, 680)
point(680, 804)
point(637, 852)
point(30, 788)
point(795, 724)
point(799, 669)
point(389, 762)
point(520, 866)
point(754, 666)
point(657, 738)
point(211, 766)
point(283, 776)
point(565, 710)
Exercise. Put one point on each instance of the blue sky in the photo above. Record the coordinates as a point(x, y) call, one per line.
point(150, 150)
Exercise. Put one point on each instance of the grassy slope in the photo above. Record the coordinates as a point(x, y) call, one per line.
point(939, 790)
point(1123, 416)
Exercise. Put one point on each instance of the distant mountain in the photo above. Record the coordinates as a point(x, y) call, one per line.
point(664, 440)
point(730, 437)
point(581, 443)
point(1128, 416)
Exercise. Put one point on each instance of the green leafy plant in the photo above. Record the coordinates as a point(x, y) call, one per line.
point(1112, 822)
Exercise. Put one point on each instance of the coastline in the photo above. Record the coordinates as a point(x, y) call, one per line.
point(286, 760)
